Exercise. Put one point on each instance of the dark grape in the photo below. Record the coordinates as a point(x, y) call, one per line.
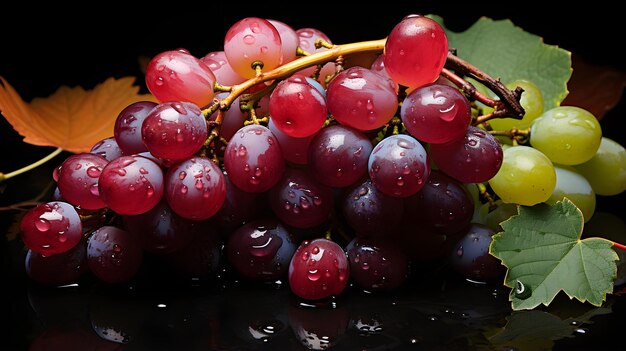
point(160, 230)
point(377, 264)
point(370, 212)
point(201, 258)
point(261, 250)
point(443, 205)
point(107, 148)
point(239, 207)
point(127, 130)
point(338, 156)
point(113, 254)
point(470, 256)
point(318, 269)
point(300, 201)
point(399, 166)
point(475, 158)
point(61, 269)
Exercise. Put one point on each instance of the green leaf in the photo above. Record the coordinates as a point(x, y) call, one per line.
point(503, 50)
point(542, 249)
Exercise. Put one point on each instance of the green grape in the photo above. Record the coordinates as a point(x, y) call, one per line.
point(575, 187)
point(568, 135)
point(606, 171)
point(526, 177)
point(501, 213)
point(531, 101)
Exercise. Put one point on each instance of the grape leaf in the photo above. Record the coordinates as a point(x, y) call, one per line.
point(543, 253)
point(73, 119)
point(507, 52)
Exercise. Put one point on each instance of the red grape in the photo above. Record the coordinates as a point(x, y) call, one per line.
point(51, 228)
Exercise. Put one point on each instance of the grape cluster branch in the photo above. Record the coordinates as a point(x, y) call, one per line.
point(507, 106)
point(456, 69)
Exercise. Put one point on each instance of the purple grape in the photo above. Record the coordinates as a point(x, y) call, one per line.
point(113, 255)
point(195, 188)
point(51, 228)
point(300, 201)
point(78, 178)
point(160, 230)
point(174, 130)
point(318, 269)
point(399, 166)
point(60, 269)
point(261, 250)
point(476, 158)
point(131, 185)
point(370, 212)
point(127, 128)
point(361, 98)
point(253, 159)
point(377, 265)
point(471, 258)
point(436, 113)
point(107, 148)
point(338, 156)
point(442, 206)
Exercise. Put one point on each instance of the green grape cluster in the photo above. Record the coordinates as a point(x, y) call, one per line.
point(556, 153)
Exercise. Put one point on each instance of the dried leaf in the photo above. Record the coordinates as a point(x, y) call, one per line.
point(73, 119)
point(595, 88)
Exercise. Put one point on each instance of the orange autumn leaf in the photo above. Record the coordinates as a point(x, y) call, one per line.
point(73, 119)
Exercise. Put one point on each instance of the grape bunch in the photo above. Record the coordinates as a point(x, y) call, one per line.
point(285, 157)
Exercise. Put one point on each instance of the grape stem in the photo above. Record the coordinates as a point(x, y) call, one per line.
point(508, 105)
point(509, 100)
point(25, 169)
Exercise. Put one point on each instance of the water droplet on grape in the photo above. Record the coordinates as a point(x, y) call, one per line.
point(199, 184)
point(184, 189)
point(120, 171)
point(263, 49)
point(42, 225)
point(94, 172)
point(305, 255)
point(93, 189)
point(459, 251)
point(314, 275)
point(405, 144)
point(248, 39)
